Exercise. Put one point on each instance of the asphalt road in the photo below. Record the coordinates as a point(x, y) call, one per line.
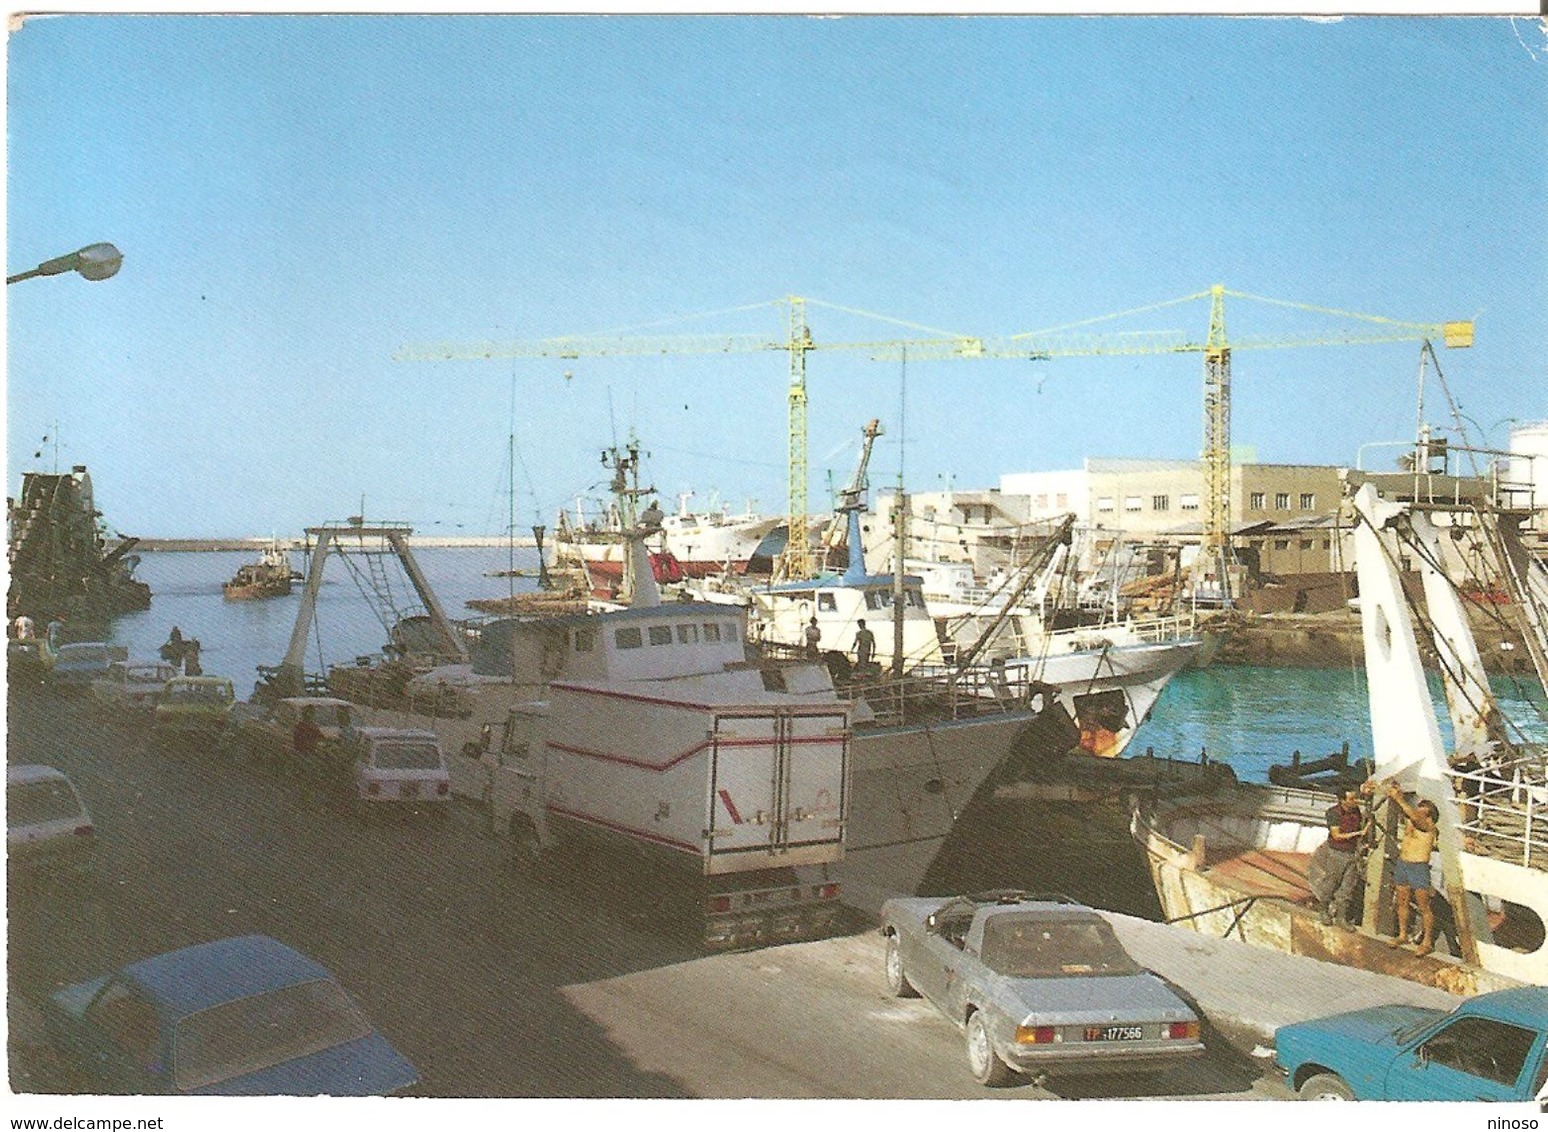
point(494, 986)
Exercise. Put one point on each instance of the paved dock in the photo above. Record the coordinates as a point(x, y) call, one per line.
point(1246, 992)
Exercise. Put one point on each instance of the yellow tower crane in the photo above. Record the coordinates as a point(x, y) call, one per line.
point(798, 561)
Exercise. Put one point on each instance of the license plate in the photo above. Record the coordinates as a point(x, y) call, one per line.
point(409, 789)
point(1114, 1033)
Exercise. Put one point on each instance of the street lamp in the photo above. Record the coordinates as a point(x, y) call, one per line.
point(95, 262)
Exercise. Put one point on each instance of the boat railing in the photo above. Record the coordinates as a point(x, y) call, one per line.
point(942, 695)
point(1504, 810)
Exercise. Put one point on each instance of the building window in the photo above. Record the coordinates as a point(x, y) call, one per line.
point(628, 638)
point(1188, 502)
point(1308, 501)
point(1257, 500)
point(1282, 501)
point(1160, 503)
point(1131, 503)
point(1104, 503)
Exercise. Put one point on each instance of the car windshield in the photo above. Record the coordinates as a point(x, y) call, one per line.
point(1039, 947)
point(32, 803)
point(249, 1034)
point(198, 694)
point(406, 756)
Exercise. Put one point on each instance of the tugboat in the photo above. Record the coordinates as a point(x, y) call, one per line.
point(58, 554)
point(270, 576)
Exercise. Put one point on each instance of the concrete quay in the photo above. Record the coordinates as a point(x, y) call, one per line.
point(1246, 992)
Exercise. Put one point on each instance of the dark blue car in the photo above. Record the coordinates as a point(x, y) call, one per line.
point(1491, 1048)
point(242, 1016)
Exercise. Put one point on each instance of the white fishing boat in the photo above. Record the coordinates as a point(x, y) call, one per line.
point(1234, 863)
point(692, 544)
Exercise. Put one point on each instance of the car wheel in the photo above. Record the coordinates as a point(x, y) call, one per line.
point(897, 978)
point(1325, 1087)
point(985, 1063)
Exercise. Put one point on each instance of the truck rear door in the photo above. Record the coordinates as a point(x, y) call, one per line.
point(778, 788)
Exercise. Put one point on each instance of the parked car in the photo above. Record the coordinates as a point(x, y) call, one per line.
point(1493, 1047)
point(48, 830)
point(265, 733)
point(1039, 985)
point(76, 665)
point(242, 1016)
point(193, 707)
point(372, 768)
point(132, 687)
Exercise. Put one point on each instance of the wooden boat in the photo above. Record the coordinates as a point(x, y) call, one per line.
point(1234, 862)
point(270, 576)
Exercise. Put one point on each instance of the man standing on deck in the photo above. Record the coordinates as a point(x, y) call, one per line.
point(865, 646)
point(1334, 869)
point(813, 636)
point(1411, 870)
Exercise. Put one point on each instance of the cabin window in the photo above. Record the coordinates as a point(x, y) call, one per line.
point(585, 640)
point(1061, 500)
point(688, 634)
point(827, 603)
point(661, 634)
point(711, 632)
point(914, 598)
point(1040, 502)
point(1281, 544)
point(730, 630)
point(1306, 544)
point(1188, 502)
point(873, 599)
point(627, 638)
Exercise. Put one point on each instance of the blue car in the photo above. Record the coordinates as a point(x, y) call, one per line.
point(1491, 1048)
point(244, 1016)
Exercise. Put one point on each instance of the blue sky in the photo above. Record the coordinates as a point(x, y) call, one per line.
point(299, 197)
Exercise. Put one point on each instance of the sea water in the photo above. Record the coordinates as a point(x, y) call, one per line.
point(1251, 718)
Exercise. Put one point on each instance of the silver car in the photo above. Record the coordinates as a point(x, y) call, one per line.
point(47, 828)
point(1039, 985)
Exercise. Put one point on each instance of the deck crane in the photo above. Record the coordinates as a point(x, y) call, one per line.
point(798, 560)
point(851, 498)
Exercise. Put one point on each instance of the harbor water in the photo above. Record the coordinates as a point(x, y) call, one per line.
point(1249, 717)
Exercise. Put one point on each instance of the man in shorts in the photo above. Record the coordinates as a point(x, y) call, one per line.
point(1411, 870)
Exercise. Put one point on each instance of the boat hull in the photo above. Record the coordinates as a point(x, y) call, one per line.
point(1233, 865)
point(908, 787)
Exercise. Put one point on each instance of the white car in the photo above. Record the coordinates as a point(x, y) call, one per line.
point(397, 767)
point(48, 830)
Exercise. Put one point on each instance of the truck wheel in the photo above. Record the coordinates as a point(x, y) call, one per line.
point(1325, 1087)
point(527, 854)
point(986, 1065)
point(897, 978)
